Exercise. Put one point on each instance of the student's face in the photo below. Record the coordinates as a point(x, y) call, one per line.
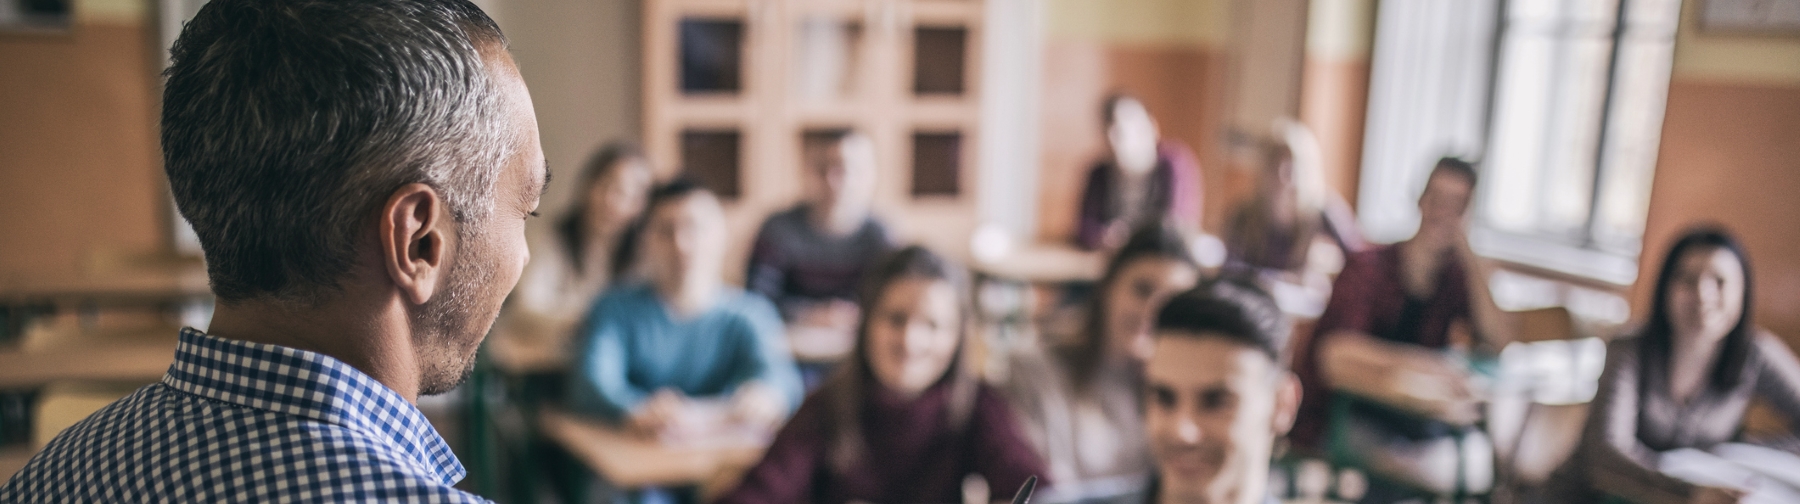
point(841, 175)
point(1133, 298)
point(1132, 135)
point(1213, 410)
point(914, 331)
point(1706, 296)
point(684, 241)
point(617, 198)
point(489, 254)
point(1444, 202)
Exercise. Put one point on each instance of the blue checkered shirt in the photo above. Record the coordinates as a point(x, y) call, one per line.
point(245, 422)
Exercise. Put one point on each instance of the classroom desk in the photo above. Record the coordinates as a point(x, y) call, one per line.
point(179, 283)
point(109, 360)
point(632, 462)
point(518, 353)
point(1044, 263)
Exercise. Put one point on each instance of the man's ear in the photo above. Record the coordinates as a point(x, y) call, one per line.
point(1287, 403)
point(414, 241)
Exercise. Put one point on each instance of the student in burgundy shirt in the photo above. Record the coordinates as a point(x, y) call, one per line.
point(1393, 311)
point(1145, 178)
point(903, 420)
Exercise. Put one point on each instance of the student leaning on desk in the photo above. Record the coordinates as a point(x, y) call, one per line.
point(359, 174)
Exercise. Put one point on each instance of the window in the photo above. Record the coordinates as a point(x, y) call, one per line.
point(1566, 116)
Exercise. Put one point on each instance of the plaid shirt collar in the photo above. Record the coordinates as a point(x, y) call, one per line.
point(311, 385)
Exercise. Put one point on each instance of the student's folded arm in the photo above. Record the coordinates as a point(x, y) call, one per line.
point(762, 353)
point(601, 384)
point(1616, 461)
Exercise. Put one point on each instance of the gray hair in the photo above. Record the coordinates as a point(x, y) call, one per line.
point(286, 123)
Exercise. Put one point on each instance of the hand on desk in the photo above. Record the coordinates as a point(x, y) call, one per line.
point(659, 413)
point(671, 416)
point(759, 406)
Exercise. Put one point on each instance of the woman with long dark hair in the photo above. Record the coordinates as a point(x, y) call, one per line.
point(1078, 397)
point(566, 274)
point(1684, 381)
point(904, 419)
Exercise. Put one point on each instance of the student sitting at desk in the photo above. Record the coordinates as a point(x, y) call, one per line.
point(810, 259)
point(1216, 396)
point(1279, 234)
point(653, 352)
point(904, 419)
point(1077, 398)
point(1680, 389)
point(1392, 316)
point(1144, 178)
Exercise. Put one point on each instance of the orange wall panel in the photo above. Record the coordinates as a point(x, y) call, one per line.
point(1731, 155)
point(78, 156)
point(1183, 86)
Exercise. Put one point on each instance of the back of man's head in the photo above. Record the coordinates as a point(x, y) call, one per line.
point(286, 123)
point(1237, 313)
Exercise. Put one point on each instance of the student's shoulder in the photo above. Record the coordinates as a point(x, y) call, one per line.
point(738, 302)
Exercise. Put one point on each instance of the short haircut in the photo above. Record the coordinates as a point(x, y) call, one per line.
point(625, 255)
point(286, 123)
point(1456, 166)
point(1238, 313)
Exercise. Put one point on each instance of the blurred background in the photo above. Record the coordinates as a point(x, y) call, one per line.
point(1601, 127)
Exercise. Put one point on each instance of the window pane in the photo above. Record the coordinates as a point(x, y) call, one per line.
point(712, 55)
point(710, 157)
point(938, 54)
point(1641, 91)
point(1521, 109)
point(937, 163)
point(1574, 135)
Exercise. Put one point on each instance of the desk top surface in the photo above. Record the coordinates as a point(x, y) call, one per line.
point(630, 461)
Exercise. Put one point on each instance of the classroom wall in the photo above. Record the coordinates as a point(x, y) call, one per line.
point(79, 165)
point(1173, 54)
point(1334, 88)
point(1731, 154)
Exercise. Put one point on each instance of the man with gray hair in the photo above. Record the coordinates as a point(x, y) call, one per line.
point(359, 173)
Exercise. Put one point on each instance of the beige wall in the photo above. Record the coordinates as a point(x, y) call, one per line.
point(582, 61)
point(79, 168)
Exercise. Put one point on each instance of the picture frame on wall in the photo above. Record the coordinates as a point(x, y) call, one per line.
point(1750, 17)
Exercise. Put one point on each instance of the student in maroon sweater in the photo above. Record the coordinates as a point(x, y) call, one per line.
point(904, 420)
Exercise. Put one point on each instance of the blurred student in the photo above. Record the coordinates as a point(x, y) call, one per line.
point(657, 353)
point(1395, 314)
point(1273, 236)
point(1078, 398)
point(904, 419)
point(1144, 178)
point(1217, 396)
point(810, 259)
point(566, 274)
point(1685, 381)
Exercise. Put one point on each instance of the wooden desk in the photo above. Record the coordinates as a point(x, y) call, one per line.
point(1045, 263)
point(178, 283)
point(517, 353)
point(112, 359)
point(632, 462)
